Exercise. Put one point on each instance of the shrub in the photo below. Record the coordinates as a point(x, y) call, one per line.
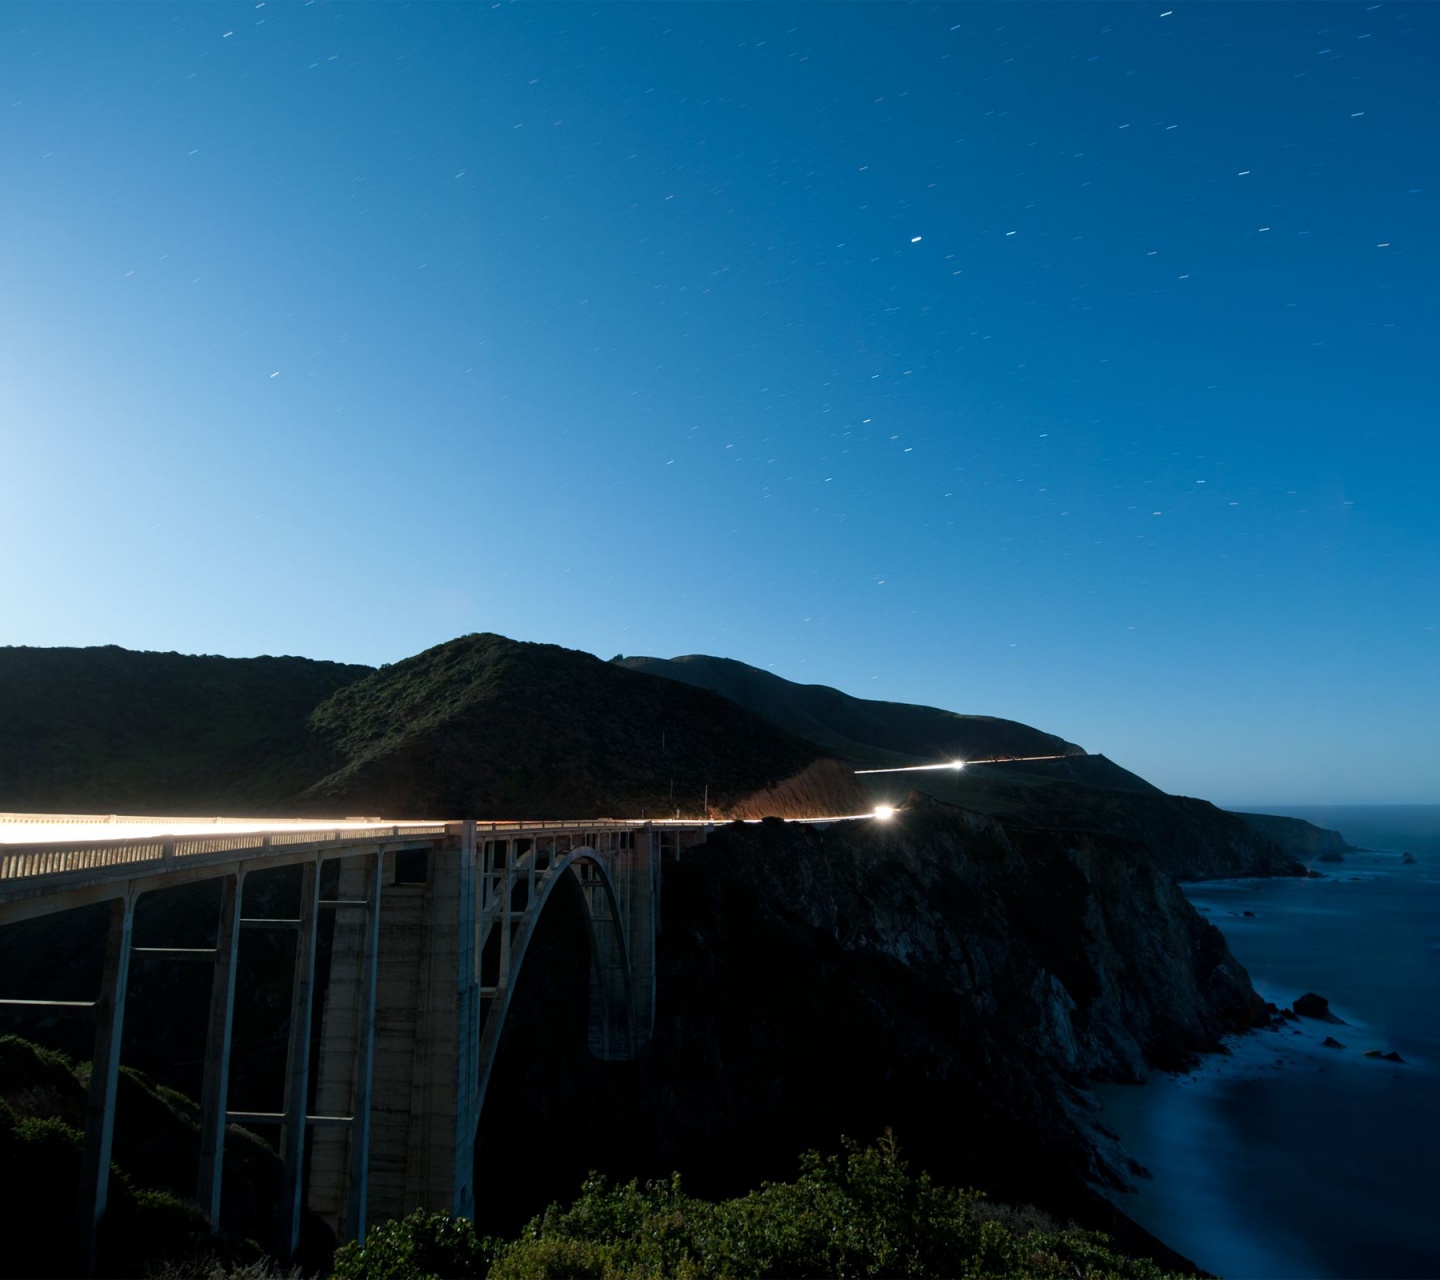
point(422, 1246)
point(862, 1213)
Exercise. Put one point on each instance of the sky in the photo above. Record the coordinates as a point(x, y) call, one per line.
point(1073, 363)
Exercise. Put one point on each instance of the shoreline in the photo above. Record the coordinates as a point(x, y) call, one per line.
point(1279, 1155)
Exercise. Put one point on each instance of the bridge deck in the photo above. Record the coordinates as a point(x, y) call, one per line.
point(50, 862)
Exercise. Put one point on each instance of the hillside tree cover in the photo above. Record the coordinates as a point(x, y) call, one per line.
point(862, 1213)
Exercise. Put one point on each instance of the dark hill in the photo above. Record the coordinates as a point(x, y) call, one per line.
point(867, 733)
point(1081, 793)
point(109, 730)
point(489, 727)
point(492, 728)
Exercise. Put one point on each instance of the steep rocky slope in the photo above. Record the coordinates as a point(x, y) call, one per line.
point(1191, 839)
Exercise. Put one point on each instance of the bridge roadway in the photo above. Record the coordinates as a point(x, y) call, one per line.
point(388, 1065)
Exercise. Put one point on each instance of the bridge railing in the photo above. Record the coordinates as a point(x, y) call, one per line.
point(42, 860)
point(136, 819)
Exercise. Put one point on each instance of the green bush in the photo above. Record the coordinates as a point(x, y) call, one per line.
point(859, 1214)
point(422, 1246)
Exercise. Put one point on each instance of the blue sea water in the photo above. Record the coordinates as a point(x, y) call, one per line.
point(1285, 1158)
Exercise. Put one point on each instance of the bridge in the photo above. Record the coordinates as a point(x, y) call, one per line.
point(389, 1059)
point(387, 1066)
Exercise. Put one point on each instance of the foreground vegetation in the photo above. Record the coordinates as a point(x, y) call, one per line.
point(861, 1214)
point(151, 1217)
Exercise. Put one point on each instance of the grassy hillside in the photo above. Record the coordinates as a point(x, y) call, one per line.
point(489, 727)
point(864, 732)
point(479, 727)
point(109, 730)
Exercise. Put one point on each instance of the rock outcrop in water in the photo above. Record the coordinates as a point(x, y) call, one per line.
point(1315, 1006)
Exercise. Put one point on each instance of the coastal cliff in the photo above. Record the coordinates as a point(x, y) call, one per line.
point(1191, 839)
point(1298, 838)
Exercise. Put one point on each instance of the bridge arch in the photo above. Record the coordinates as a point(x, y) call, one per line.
point(614, 873)
point(612, 988)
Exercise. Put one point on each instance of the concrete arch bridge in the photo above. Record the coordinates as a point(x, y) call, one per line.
point(388, 1063)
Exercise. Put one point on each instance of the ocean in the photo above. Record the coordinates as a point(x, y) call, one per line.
point(1285, 1158)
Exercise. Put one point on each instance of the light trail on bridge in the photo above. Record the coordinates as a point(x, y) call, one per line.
point(36, 828)
point(61, 829)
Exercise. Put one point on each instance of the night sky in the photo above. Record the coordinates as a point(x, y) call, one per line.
point(1074, 363)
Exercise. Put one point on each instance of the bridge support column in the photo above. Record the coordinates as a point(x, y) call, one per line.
point(104, 1082)
point(417, 1035)
point(402, 994)
point(628, 939)
point(344, 1068)
point(642, 869)
point(215, 1091)
point(467, 1027)
point(297, 1065)
point(358, 1174)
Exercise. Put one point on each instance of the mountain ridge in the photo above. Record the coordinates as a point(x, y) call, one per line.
point(899, 733)
point(483, 726)
point(1077, 791)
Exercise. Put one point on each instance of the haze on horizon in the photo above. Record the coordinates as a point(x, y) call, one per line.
point(1067, 363)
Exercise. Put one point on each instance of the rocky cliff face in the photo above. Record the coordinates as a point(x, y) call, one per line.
point(1298, 838)
point(940, 974)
